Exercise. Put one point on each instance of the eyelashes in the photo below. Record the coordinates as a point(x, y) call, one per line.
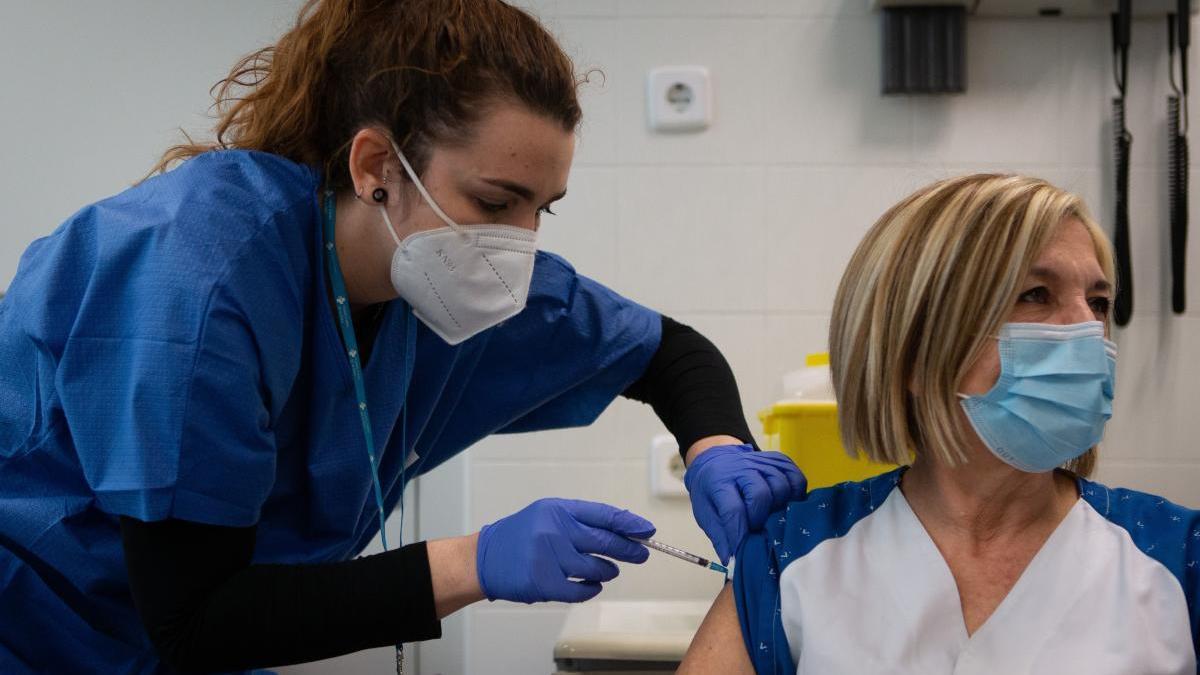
point(1037, 295)
point(498, 207)
point(1101, 305)
point(491, 207)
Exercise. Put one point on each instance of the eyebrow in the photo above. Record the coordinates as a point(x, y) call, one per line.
point(1051, 275)
point(520, 190)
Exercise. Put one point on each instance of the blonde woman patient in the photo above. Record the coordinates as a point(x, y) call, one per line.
point(969, 342)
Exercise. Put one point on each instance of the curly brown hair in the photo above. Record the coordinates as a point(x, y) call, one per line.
point(425, 70)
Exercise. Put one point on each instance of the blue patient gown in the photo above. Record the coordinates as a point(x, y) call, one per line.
point(848, 581)
point(170, 353)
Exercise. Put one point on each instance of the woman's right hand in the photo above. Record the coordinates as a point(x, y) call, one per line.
point(549, 550)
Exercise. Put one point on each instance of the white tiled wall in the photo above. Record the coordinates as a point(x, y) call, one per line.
point(741, 231)
point(92, 93)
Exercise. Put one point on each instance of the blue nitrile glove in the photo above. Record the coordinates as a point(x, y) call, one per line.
point(533, 555)
point(734, 488)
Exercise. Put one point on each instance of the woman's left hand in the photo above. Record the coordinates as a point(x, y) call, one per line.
point(735, 487)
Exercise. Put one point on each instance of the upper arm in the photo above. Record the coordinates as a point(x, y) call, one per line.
point(692, 388)
point(718, 646)
point(584, 345)
point(559, 363)
point(743, 631)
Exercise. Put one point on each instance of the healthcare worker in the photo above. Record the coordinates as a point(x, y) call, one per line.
point(215, 384)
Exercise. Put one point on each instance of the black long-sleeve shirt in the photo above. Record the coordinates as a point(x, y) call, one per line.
point(206, 607)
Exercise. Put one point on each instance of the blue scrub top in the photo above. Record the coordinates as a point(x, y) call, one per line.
point(170, 353)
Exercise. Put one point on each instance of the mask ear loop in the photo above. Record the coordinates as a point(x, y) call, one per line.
point(390, 228)
point(412, 174)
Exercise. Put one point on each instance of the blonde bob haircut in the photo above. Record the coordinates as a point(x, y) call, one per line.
point(925, 292)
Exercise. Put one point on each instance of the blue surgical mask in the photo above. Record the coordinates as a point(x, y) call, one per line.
point(1053, 397)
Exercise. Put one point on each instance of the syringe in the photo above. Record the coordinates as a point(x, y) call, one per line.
point(682, 555)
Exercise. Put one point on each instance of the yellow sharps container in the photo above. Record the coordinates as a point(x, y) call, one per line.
point(804, 427)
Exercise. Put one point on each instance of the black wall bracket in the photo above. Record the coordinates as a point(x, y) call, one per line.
point(925, 50)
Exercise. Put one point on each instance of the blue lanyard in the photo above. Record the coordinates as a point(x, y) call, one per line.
point(346, 324)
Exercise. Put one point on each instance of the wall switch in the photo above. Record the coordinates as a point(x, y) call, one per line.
point(666, 467)
point(679, 98)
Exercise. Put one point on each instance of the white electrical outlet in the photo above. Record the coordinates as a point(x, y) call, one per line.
point(678, 98)
point(666, 467)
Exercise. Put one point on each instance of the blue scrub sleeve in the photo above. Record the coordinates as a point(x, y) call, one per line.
point(167, 427)
point(756, 595)
point(584, 348)
point(560, 362)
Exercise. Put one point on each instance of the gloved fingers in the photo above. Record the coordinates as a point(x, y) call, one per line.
point(576, 591)
point(781, 489)
point(588, 567)
point(610, 518)
point(629, 524)
point(782, 464)
point(775, 459)
point(587, 539)
point(731, 519)
point(797, 482)
point(706, 517)
point(756, 494)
